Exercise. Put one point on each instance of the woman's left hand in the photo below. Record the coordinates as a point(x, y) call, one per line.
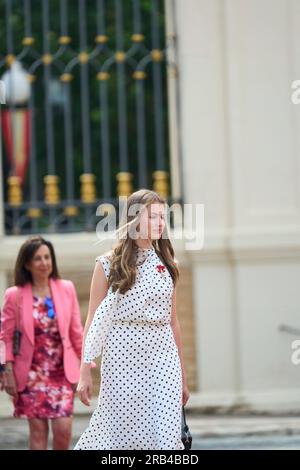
point(185, 394)
point(10, 383)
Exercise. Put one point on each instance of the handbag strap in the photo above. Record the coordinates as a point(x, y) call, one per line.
point(18, 311)
point(183, 418)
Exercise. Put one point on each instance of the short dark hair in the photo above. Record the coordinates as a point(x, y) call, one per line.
point(27, 251)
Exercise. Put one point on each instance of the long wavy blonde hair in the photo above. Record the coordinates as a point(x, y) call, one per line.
point(122, 274)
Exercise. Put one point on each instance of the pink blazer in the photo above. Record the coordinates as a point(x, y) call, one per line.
point(69, 324)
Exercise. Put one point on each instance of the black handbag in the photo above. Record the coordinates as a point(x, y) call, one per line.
point(186, 436)
point(17, 342)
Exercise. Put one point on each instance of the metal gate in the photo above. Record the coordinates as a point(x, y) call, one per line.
point(86, 116)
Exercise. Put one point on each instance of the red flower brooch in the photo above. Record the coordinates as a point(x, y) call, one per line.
point(161, 269)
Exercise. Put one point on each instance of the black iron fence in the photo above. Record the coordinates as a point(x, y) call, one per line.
point(90, 122)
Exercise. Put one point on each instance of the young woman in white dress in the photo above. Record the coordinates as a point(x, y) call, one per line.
point(132, 325)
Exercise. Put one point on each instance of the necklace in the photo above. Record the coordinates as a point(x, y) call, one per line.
point(50, 307)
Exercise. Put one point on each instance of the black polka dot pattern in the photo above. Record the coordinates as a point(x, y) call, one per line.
point(139, 405)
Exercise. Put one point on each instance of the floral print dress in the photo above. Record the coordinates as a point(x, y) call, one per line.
point(48, 394)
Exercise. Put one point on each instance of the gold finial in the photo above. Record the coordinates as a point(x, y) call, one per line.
point(47, 59)
point(31, 78)
point(10, 58)
point(83, 57)
point(66, 77)
point(14, 190)
point(34, 212)
point(88, 188)
point(124, 187)
point(137, 37)
point(102, 76)
point(157, 55)
point(160, 183)
point(101, 39)
point(139, 75)
point(71, 211)
point(120, 56)
point(52, 195)
point(64, 40)
point(28, 41)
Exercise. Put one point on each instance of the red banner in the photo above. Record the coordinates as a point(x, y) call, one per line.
point(16, 136)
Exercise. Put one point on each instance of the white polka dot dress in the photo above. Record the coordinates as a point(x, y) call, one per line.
point(139, 405)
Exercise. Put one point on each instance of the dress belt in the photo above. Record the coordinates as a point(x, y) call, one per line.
point(139, 322)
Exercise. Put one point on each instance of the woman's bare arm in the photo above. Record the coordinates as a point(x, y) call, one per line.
point(98, 291)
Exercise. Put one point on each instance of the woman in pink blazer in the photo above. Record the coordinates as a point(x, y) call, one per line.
point(42, 375)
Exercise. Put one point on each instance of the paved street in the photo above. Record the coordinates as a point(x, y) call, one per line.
point(214, 432)
point(265, 442)
point(209, 432)
point(273, 442)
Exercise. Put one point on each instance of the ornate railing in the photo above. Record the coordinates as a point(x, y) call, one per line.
point(95, 125)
